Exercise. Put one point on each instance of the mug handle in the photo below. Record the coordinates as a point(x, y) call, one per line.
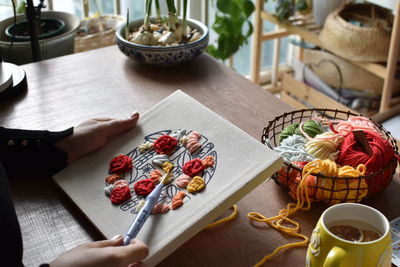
point(335, 257)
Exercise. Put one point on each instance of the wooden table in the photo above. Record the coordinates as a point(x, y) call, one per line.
point(67, 90)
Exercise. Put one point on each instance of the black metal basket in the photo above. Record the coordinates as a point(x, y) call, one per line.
point(284, 177)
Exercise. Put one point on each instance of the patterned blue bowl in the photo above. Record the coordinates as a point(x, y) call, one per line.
point(163, 55)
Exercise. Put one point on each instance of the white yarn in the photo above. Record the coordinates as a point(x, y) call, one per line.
point(292, 149)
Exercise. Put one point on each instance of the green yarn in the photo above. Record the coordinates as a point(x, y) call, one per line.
point(310, 127)
point(288, 131)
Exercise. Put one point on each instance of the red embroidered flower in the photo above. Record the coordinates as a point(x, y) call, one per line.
point(165, 144)
point(120, 194)
point(144, 187)
point(193, 167)
point(120, 164)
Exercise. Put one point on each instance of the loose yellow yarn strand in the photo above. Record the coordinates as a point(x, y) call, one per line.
point(328, 168)
point(229, 218)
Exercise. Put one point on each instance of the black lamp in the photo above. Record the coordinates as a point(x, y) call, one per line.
point(12, 77)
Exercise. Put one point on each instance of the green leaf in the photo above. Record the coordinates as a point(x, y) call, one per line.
point(248, 8)
point(223, 5)
point(229, 25)
point(250, 30)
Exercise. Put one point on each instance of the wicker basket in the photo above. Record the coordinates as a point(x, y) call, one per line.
point(270, 137)
point(358, 43)
point(97, 32)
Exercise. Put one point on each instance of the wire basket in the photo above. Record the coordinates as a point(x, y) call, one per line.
point(329, 195)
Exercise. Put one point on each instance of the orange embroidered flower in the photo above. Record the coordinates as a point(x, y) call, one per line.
point(112, 178)
point(165, 144)
point(155, 175)
point(208, 161)
point(177, 200)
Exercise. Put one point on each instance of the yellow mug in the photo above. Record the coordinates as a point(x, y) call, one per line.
point(329, 250)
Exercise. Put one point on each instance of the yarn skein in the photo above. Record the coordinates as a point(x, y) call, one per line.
point(354, 123)
point(310, 127)
point(324, 146)
point(292, 149)
point(352, 154)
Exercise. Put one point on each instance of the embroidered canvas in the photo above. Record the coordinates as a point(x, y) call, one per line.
point(242, 163)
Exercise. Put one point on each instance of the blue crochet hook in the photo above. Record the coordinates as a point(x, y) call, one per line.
point(145, 211)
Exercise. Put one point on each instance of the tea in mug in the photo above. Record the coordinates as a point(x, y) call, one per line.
point(355, 231)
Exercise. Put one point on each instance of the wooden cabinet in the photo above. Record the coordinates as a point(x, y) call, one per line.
point(309, 33)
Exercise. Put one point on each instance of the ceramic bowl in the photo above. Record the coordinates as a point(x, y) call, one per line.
point(163, 55)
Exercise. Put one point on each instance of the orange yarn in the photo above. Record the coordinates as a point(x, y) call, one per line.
point(177, 200)
point(208, 162)
point(112, 178)
point(155, 175)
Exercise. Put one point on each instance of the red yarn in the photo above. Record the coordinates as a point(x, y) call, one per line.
point(144, 187)
point(120, 194)
point(165, 144)
point(120, 164)
point(352, 154)
point(193, 167)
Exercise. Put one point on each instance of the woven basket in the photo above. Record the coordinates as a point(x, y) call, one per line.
point(358, 43)
point(270, 137)
point(329, 74)
point(101, 32)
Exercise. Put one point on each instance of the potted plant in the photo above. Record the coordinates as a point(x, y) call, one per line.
point(56, 35)
point(163, 40)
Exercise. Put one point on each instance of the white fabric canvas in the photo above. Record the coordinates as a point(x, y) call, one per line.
point(242, 163)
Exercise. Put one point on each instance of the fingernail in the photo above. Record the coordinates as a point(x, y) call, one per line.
point(116, 237)
point(134, 114)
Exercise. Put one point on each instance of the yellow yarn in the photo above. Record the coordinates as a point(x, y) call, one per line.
point(325, 167)
point(336, 190)
point(197, 184)
point(229, 218)
point(167, 166)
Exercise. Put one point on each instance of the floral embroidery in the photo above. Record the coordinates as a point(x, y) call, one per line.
point(120, 164)
point(120, 194)
point(165, 144)
point(193, 167)
point(113, 178)
point(177, 200)
point(197, 184)
point(144, 187)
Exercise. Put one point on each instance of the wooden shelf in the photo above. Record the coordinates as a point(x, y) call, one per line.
point(307, 30)
point(305, 27)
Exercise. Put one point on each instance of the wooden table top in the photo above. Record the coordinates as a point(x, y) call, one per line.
point(104, 83)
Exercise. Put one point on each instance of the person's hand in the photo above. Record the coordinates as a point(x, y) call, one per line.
point(104, 253)
point(93, 134)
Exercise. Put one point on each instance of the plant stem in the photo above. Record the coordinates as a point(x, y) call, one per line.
point(184, 22)
point(171, 15)
point(146, 23)
point(127, 25)
point(158, 10)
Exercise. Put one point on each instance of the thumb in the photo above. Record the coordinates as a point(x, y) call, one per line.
point(118, 241)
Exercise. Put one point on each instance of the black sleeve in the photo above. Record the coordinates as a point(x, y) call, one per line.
point(32, 152)
point(10, 233)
